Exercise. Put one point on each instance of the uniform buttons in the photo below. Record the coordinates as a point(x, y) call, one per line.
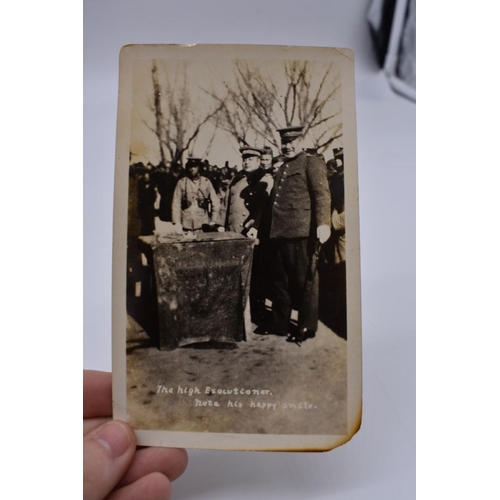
point(243, 214)
point(276, 203)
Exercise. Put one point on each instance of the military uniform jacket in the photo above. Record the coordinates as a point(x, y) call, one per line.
point(246, 200)
point(193, 216)
point(300, 200)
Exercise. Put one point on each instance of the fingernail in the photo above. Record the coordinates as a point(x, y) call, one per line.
point(115, 437)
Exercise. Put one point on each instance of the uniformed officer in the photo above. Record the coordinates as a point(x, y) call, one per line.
point(300, 219)
point(195, 201)
point(247, 195)
point(243, 210)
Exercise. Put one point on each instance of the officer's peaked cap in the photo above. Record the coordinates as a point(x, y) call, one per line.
point(290, 132)
point(248, 151)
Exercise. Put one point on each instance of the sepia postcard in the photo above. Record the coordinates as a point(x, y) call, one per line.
point(236, 264)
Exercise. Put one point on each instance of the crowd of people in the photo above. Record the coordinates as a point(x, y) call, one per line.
point(290, 203)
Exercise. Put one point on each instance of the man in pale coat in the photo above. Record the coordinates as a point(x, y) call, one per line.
point(244, 211)
point(195, 201)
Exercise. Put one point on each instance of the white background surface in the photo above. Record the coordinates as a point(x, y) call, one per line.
point(379, 462)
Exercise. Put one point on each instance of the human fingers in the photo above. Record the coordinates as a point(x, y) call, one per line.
point(96, 394)
point(89, 424)
point(107, 453)
point(171, 462)
point(154, 486)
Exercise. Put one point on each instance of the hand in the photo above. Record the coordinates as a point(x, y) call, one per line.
point(323, 232)
point(112, 466)
point(252, 233)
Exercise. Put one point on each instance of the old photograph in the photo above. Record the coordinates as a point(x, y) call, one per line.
point(236, 295)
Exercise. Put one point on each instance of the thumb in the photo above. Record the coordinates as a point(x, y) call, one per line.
point(107, 453)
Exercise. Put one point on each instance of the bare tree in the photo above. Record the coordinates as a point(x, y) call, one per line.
point(257, 104)
point(157, 109)
point(177, 123)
